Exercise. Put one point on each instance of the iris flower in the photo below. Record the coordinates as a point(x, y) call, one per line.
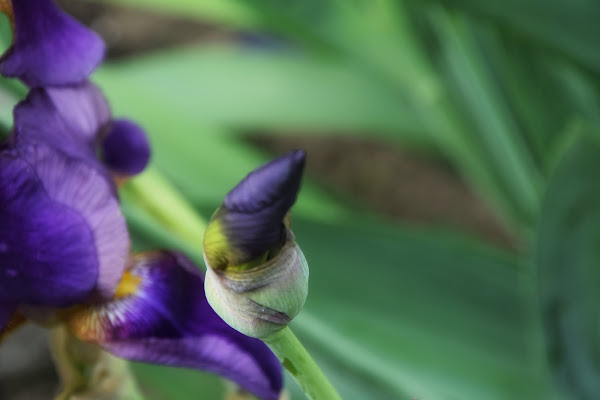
point(64, 245)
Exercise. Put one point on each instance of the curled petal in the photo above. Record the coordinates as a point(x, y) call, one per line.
point(69, 119)
point(262, 300)
point(50, 48)
point(126, 149)
point(62, 234)
point(160, 315)
point(250, 222)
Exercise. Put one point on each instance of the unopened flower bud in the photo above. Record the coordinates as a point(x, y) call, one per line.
point(257, 280)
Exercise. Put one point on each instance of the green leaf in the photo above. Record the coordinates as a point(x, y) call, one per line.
point(241, 88)
point(168, 383)
point(537, 21)
point(497, 133)
point(568, 262)
point(417, 312)
point(227, 11)
point(205, 161)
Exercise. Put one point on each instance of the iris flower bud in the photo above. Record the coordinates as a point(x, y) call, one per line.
point(257, 280)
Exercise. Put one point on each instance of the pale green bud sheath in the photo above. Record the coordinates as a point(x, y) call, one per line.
point(257, 276)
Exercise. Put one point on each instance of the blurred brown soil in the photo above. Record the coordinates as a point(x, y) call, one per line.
point(395, 182)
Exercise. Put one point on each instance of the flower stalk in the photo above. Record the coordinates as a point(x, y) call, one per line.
point(298, 362)
point(158, 197)
point(88, 372)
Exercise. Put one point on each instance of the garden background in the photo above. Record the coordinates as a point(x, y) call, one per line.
point(451, 210)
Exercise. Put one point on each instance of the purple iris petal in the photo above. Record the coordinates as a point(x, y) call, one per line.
point(61, 229)
point(68, 118)
point(161, 315)
point(254, 210)
point(126, 149)
point(48, 254)
point(50, 48)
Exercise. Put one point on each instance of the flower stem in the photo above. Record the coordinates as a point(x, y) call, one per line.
point(159, 198)
point(88, 372)
point(301, 366)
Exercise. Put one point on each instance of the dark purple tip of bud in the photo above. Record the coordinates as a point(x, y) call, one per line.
point(255, 209)
point(274, 185)
point(126, 149)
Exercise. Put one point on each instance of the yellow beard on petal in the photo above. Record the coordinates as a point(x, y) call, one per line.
point(128, 285)
point(93, 322)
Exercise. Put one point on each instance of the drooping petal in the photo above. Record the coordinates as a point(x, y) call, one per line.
point(48, 253)
point(126, 149)
point(69, 118)
point(160, 315)
point(50, 48)
point(61, 229)
point(250, 222)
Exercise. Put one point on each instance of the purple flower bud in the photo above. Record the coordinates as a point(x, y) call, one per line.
point(257, 279)
point(250, 222)
point(126, 149)
point(76, 120)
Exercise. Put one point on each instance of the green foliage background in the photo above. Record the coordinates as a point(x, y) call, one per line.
point(507, 91)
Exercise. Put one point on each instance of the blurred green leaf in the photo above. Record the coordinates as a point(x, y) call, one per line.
point(529, 90)
point(568, 262)
point(582, 92)
point(168, 383)
point(228, 11)
point(203, 160)
point(497, 132)
point(418, 311)
point(568, 28)
point(251, 89)
point(11, 90)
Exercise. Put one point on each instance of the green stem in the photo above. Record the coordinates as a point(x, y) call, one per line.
point(88, 372)
point(299, 363)
point(159, 198)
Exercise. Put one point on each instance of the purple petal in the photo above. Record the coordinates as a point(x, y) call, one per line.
point(61, 229)
point(69, 118)
point(47, 252)
point(126, 149)
point(253, 212)
point(160, 315)
point(50, 48)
